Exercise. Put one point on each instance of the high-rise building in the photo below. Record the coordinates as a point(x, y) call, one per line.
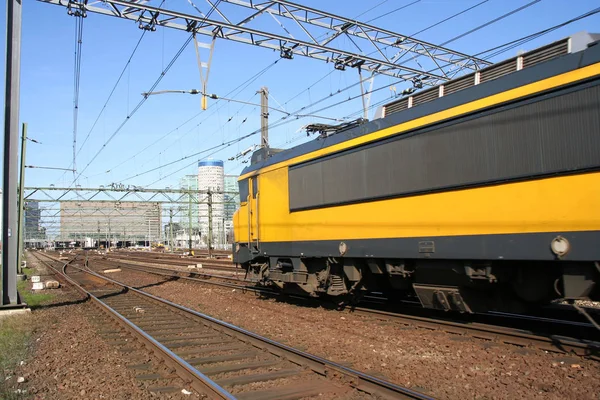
point(211, 177)
point(188, 182)
point(31, 221)
point(232, 203)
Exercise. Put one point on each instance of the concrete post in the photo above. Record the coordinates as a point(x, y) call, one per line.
point(11, 137)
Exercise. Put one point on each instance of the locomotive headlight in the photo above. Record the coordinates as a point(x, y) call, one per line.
point(560, 246)
point(343, 248)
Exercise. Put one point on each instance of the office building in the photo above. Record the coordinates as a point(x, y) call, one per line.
point(114, 221)
point(232, 203)
point(211, 178)
point(31, 221)
point(188, 182)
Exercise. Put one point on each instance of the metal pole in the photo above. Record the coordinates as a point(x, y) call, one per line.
point(264, 117)
point(223, 233)
point(190, 223)
point(21, 205)
point(210, 226)
point(98, 244)
point(11, 137)
point(171, 229)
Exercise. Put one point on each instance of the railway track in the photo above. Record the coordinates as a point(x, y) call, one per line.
point(215, 358)
point(484, 331)
point(493, 333)
point(187, 275)
point(200, 263)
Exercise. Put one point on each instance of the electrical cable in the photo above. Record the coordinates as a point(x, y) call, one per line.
point(525, 39)
point(393, 11)
point(512, 44)
point(296, 113)
point(372, 8)
point(137, 107)
point(279, 123)
point(108, 99)
point(486, 24)
point(450, 17)
point(113, 90)
point(332, 71)
point(473, 30)
point(238, 89)
point(421, 31)
point(518, 42)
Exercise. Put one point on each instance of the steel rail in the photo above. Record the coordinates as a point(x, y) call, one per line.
point(354, 378)
point(488, 332)
point(175, 273)
point(218, 265)
point(554, 344)
point(184, 370)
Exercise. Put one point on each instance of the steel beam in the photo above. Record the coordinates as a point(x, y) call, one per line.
point(148, 17)
point(377, 37)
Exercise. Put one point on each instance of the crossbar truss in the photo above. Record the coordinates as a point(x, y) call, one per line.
point(324, 36)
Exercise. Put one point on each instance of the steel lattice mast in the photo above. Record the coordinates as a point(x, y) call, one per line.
point(442, 63)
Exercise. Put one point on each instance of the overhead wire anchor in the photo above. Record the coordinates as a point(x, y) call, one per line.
point(201, 65)
point(76, 9)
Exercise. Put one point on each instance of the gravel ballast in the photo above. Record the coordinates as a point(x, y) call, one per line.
point(439, 364)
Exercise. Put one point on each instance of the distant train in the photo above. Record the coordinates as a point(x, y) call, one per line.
point(480, 194)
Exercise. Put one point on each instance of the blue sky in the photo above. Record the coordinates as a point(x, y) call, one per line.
point(47, 82)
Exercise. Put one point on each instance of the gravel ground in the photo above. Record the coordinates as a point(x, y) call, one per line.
point(71, 359)
point(439, 364)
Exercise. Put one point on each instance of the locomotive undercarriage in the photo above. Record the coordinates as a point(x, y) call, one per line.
point(452, 285)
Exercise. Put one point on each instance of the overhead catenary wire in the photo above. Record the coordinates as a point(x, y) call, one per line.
point(420, 31)
point(448, 41)
point(297, 113)
point(237, 89)
point(137, 107)
point(279, 122)
point(332, 71)
point(372, 8)
point(473, 30)
point(518, 42)
point(493, 21)
point(508, 46)
point(125, 67)
point(393, 11)
point(112, 90)
point(143, 100)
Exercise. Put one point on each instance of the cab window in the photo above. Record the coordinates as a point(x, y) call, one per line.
point(244, 190)
point(254, 186)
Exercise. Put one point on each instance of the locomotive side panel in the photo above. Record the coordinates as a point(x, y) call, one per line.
point(482, 205)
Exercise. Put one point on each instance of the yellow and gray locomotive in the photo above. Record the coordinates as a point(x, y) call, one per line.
point(477, 194)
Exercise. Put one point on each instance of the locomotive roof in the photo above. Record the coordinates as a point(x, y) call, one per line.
point(582, 49)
